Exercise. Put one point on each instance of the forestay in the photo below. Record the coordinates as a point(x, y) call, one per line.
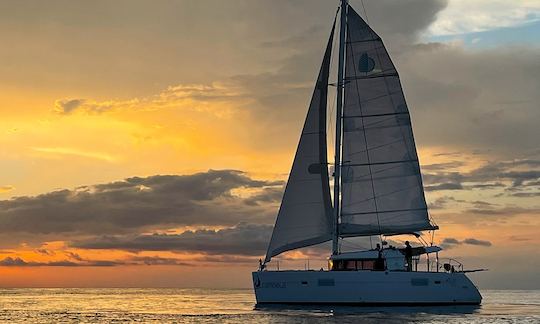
point(382, 189)
point(305, 215)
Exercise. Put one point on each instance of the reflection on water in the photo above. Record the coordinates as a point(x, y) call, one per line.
point(233, 306)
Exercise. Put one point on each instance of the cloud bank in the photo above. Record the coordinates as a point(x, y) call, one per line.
point(143, 203)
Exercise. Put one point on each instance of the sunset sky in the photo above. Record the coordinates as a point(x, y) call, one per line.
point(146, 143)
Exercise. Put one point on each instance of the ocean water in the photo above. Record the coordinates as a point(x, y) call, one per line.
point(238, 306)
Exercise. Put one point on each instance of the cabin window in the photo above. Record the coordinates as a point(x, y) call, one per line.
point(368, 265)
point(352, 265)
point(340, 265)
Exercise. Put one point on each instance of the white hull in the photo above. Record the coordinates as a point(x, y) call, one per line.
point(365, 288)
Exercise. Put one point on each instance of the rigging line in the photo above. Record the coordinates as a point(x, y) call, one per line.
point(365, 12)
point(365, 137)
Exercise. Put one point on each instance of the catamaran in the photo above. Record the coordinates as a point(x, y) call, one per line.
point(377, 187)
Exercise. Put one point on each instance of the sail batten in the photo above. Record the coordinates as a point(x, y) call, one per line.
point(382, 190)
point(305, 215)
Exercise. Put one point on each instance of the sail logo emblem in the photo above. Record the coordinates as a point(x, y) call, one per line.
point(366, 64)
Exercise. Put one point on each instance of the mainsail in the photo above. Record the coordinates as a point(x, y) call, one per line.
point(305, 215)
point(382, 190)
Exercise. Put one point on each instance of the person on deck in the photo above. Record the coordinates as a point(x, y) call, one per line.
point(408, 255)
point(379, 263)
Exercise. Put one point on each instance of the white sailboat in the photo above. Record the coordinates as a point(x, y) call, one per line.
point(378, 191)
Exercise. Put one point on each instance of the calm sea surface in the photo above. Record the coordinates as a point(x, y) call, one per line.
point(237, 306)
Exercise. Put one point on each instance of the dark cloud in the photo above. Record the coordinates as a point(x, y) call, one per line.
point(525, 194)
point(507, 211)
point(73, 256)
point(480, 204)
point(400, 22)
point(452, 154)
point(519, 238)
point(243, 239)
point(486, 185)
point(137, 203)
point(442, 166)
point(444, 186)
point(9, 261)
point(45, 252)
point(18, 262)
point(472, 241)
point(67, 106)
point(442, 178)
point(267, 195)
point(129, 261)
point(519, 174)
point(156, 260)
point(80, 262)
point(451, 242)
point(444, 201)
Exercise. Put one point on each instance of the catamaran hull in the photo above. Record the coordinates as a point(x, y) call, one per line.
point(366, 288)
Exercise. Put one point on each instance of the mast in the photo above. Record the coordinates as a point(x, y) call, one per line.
point(339, 109)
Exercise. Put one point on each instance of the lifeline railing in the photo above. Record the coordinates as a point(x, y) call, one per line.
point(430, 265)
